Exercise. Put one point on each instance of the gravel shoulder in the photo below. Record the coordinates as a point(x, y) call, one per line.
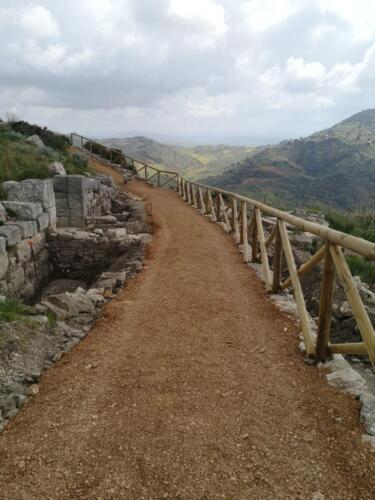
point(190, 386)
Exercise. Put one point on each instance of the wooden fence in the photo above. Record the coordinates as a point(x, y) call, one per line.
point(243, 218)
point(161, 178)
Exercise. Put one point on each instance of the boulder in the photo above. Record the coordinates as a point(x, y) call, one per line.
point(116, 234)
point(368, 412)
point(104, 219)
point(68, 305)
point(347, 380)
point(111, 280)
point(56, 168)
point(37, 141)
point(345, 310)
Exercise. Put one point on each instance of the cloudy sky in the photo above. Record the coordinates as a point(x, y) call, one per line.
point(262, 69)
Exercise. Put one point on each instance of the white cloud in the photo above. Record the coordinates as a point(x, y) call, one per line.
point(261, 15)
point(297, 68)
point(359, 14)
point(207, 13)
point(234, 65)
point(39, 22)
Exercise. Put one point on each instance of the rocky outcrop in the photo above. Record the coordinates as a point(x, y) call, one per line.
point(56, 168)
point(37, 141)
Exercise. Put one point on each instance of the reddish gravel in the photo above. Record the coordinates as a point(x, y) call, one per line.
point(191, 386)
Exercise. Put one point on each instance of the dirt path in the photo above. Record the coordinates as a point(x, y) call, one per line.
point(189, 387)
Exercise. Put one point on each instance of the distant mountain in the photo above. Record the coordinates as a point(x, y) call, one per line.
point(211, 139)
point(195, 162)
point(334, 167)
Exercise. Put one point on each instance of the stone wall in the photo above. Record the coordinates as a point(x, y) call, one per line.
point(79, 197)
point(35, 206)
point(26, 215)
point(84, 255)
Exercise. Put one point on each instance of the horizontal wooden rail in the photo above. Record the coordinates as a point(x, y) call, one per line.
point(244, 218)
point(126, 161)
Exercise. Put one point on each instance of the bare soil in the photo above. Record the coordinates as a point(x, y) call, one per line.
point(191, 386)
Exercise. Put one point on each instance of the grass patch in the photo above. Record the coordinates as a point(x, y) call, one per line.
point(12, 310)
point(51, 318)
point(363, 268)
point(21, 160)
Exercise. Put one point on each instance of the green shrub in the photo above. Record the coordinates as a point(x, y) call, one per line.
point(363, 268)
point(49, 138)
point(12, 310)
point(357, 223)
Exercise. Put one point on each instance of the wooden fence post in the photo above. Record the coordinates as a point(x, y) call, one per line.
point(201, 200)
point(298, 294)
point(254, 241)
point(277, 262)
point(327, 289)
point(244, 232)
point(188, 193)
point(235, 220)
point(211, 207)
point(263, 249)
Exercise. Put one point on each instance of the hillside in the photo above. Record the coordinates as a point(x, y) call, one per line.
point(195, 162)
point(334, 167)
point(21, 159)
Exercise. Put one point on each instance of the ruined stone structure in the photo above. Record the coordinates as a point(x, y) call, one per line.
point(32, 208)
point(79, 197)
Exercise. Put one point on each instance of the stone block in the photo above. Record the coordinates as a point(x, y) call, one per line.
point(32, 190)
point(4, 263)
point(77, 184)
point(77, 201)
point(11, 233)
point(63, 221)
point(43, 221)
point(3, 214)
point(24, 210)
point(27, 227)
point(3, 245)
point(60, 184)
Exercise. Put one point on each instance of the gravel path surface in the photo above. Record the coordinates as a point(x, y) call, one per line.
point(190, 387)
